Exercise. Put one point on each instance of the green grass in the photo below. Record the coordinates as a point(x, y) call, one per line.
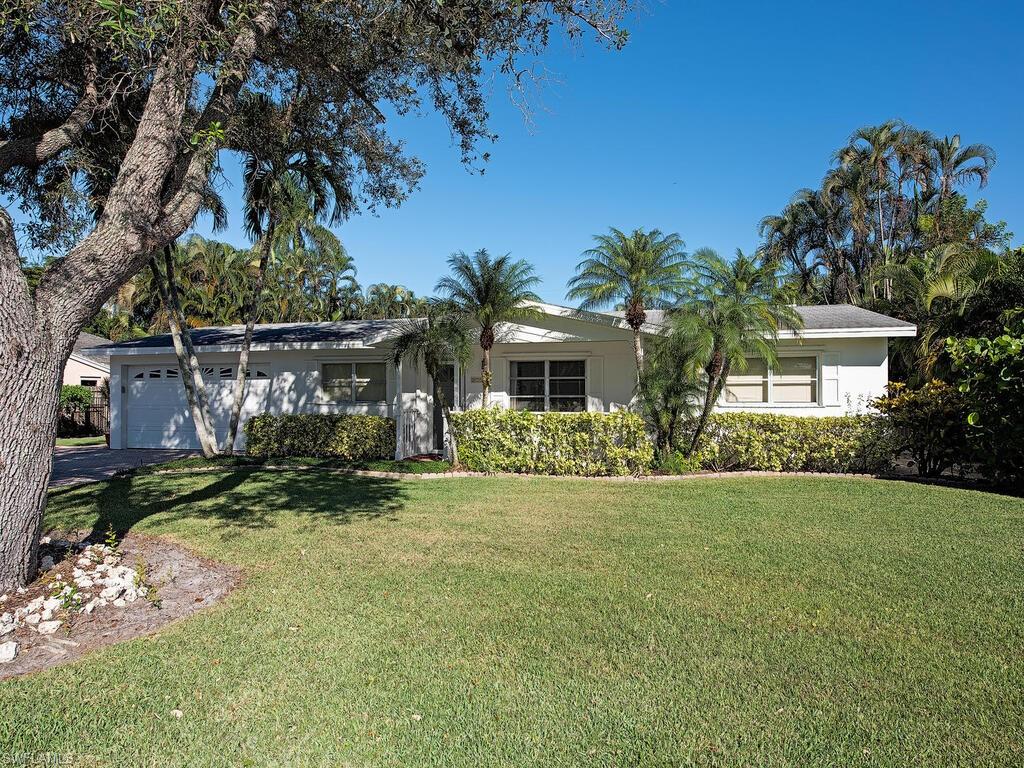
point(405, 466)
point(74, 441)
point(497, 622)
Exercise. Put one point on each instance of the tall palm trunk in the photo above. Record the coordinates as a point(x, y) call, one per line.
point(638, 353)
point(486, 342)
point(636, 316)
point(252, 310)
point(188, 361)
point(714, 372)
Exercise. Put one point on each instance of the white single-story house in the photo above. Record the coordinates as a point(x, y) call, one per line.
point(88, 365)
point(566, 360)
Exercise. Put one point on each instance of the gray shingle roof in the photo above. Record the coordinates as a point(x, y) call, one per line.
point(89, 340)
point(822, 317)
point(349, 331)
point(369, 332)
point(92, 346)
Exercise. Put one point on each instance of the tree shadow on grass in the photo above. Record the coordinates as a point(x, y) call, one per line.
point(244, 499)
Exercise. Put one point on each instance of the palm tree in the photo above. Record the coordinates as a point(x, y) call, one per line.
point(932, 290)
point(640, 271)
point(285, 184)
point(729, 312)
point(440, 338)
point(669, 389)
point(388, 302)
point(490, 291)
point(949, 165)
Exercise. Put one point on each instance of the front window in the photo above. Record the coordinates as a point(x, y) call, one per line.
point(353, 382)
point(796, 380)
point(549, 385)
point(750, 386)
point(793, 380)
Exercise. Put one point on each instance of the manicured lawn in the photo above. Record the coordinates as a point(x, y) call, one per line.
point(507, 622)
point(73, 441)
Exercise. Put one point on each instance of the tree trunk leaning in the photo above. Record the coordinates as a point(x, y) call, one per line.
point(188, 361)
point(252, 311)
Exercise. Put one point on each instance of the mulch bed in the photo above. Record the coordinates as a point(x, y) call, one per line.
point(184, 583)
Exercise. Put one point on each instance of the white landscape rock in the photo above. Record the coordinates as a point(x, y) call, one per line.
point(48, 627)
point(46, 563)
point(98, 568)
point(8, 651)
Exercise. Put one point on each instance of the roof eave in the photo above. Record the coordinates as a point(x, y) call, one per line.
point(849, 333)
point(270, 347)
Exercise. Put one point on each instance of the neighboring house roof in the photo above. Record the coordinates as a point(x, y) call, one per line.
point(89, 340)
point(90, 349)
point(829, 320)
point(343, 333)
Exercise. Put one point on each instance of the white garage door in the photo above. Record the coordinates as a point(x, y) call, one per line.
point(156, 413)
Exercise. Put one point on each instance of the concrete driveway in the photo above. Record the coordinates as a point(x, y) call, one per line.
point(87, 464)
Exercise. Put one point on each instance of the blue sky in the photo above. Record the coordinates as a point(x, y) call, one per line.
point(713, 115)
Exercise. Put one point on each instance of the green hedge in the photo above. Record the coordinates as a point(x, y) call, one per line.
point(74, 397)
point(502, 440)
point(352, 437)
point(777, 443)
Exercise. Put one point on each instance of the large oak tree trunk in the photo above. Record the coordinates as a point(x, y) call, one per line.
point(29, 393)
point(155, 197)
point(31, 363)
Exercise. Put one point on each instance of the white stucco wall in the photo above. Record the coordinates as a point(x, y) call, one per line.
point(292, 388)
point(851, 372)
point(78, 368)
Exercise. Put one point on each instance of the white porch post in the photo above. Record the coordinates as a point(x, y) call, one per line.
point(398, 411)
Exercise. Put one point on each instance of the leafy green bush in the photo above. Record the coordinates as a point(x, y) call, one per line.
point(352, 437)
point(503, 440)
point(779, 443)
point(990, 377)
point(75, 398)
point(930, 423)
point(677, 463)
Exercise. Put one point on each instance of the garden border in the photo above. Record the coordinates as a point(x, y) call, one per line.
point(939, 481)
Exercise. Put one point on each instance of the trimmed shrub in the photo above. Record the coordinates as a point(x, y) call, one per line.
point(990, 378)
point(347, 436)
point(503, 440)
point(778, 443)
point(74, 398)
point(930, 423)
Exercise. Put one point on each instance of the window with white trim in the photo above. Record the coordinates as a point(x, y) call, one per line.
point(353, 382)
point(548, 385)
point(793, 381)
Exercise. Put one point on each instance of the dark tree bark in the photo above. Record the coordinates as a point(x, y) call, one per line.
point(155, 198)
point(31, 361)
